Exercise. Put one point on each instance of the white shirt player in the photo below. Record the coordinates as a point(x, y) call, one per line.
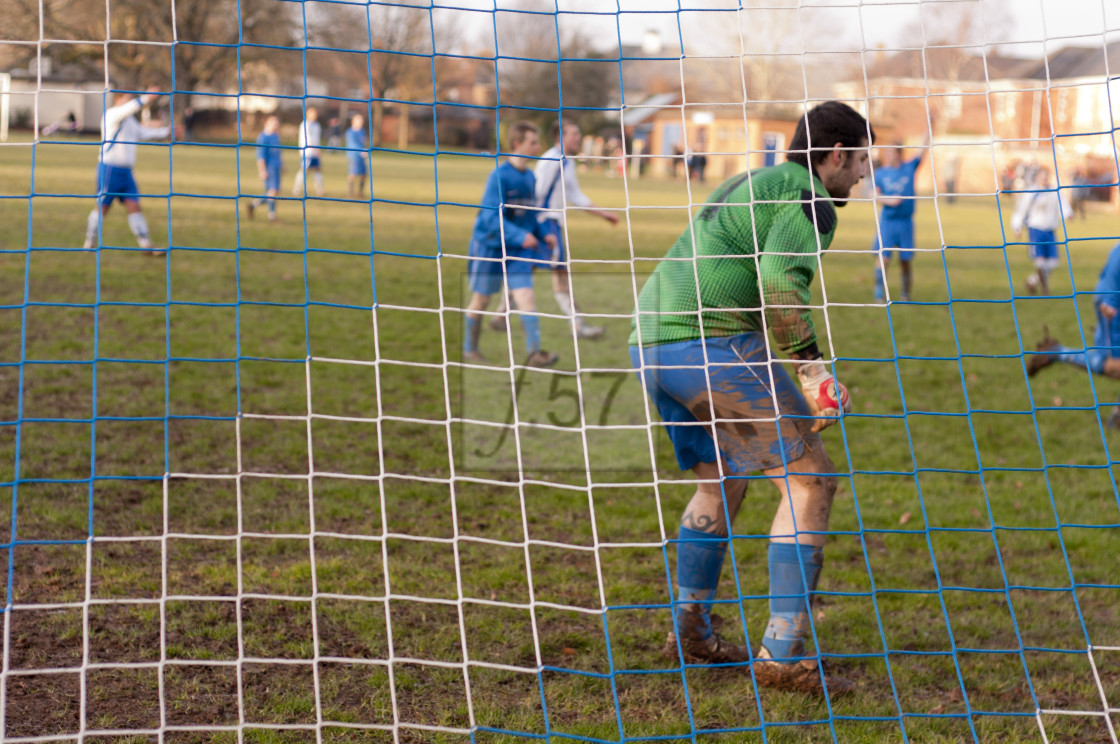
point(310, 137)
point(120, 132)
point(1041, 210)
point(558, 191)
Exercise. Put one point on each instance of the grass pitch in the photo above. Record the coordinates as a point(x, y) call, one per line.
point(265, 468)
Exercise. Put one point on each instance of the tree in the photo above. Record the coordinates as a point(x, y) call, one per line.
point(199, 43)
point(774, 42)
point(392, 52)
point(548, 66)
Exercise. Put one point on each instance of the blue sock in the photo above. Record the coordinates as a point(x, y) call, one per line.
point(879, 291)
point(532, 326)
point(470, 338)
point(1073, 356)
point(789, 595)
point(699, 562)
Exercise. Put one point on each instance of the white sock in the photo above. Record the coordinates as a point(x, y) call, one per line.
point(138, 225)
point(318, 181)
point(91, 224)
point(297, 187)
point(564, 300)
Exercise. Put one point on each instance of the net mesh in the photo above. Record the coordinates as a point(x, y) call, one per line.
point(255, 491)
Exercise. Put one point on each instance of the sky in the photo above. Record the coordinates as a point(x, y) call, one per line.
point(1023, 27)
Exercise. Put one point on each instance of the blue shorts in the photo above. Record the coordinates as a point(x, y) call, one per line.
point(761, 419)
point(116, 182)
point(557, 258)
point(1044, 248)
point(356, 166)
point(895, 234)
point(272, 180)
point(311, 162)
point(486, 277)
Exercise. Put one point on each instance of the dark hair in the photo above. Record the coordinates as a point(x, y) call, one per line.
point(518, 131)
point(557, 127)
point(822, 127)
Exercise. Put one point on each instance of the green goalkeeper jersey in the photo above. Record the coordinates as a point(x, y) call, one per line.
point(753, 249)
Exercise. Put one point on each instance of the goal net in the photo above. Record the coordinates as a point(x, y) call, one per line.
point(268, 480)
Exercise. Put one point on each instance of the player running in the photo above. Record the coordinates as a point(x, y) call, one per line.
point(505, 231)
point(744, 266)
point(120, 131)
point(557, 188)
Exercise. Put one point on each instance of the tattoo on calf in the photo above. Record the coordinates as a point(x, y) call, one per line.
point(704, 523)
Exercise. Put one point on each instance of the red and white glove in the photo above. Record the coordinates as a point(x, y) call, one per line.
point(826, 397)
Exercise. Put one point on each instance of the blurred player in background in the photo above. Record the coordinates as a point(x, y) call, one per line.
point(557, 188)
point(505, 231)
point(1104, 356)
point(270, 166)
point(310, 139)
point(1042, 212)
point(894, 189)
point(120, 131)
point(357, 149)
point(746, 264)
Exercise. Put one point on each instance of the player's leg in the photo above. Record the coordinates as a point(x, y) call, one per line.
point(702, 541)
point(764, 423)
point(882, 261)
point(1098, 359)
point(485, 270)
point(521, 295)
point(105, 199)
point(301, 172)
point(904, 241)
point(318, 174)
point(675, 378)
point(96, 215)
point(797, 535)
point(1049, 260)
point(473, 319)
point(562, 285)
point(562, 291)
point(139, 226)
point(807, 487)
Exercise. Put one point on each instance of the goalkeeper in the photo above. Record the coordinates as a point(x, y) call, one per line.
point(744, 266)
point(1103, 357)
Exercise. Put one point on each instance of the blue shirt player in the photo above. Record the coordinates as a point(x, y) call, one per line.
point(894, 189)
point(270, 166)
point(357, 149)
point(505, 243)
point(1103, 357)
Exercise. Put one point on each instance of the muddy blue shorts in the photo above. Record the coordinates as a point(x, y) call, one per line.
point(761, 419)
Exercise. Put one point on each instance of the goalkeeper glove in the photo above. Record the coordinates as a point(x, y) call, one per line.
point(825, 395)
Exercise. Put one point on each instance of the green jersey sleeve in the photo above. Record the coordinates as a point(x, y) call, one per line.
point(787, 263)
